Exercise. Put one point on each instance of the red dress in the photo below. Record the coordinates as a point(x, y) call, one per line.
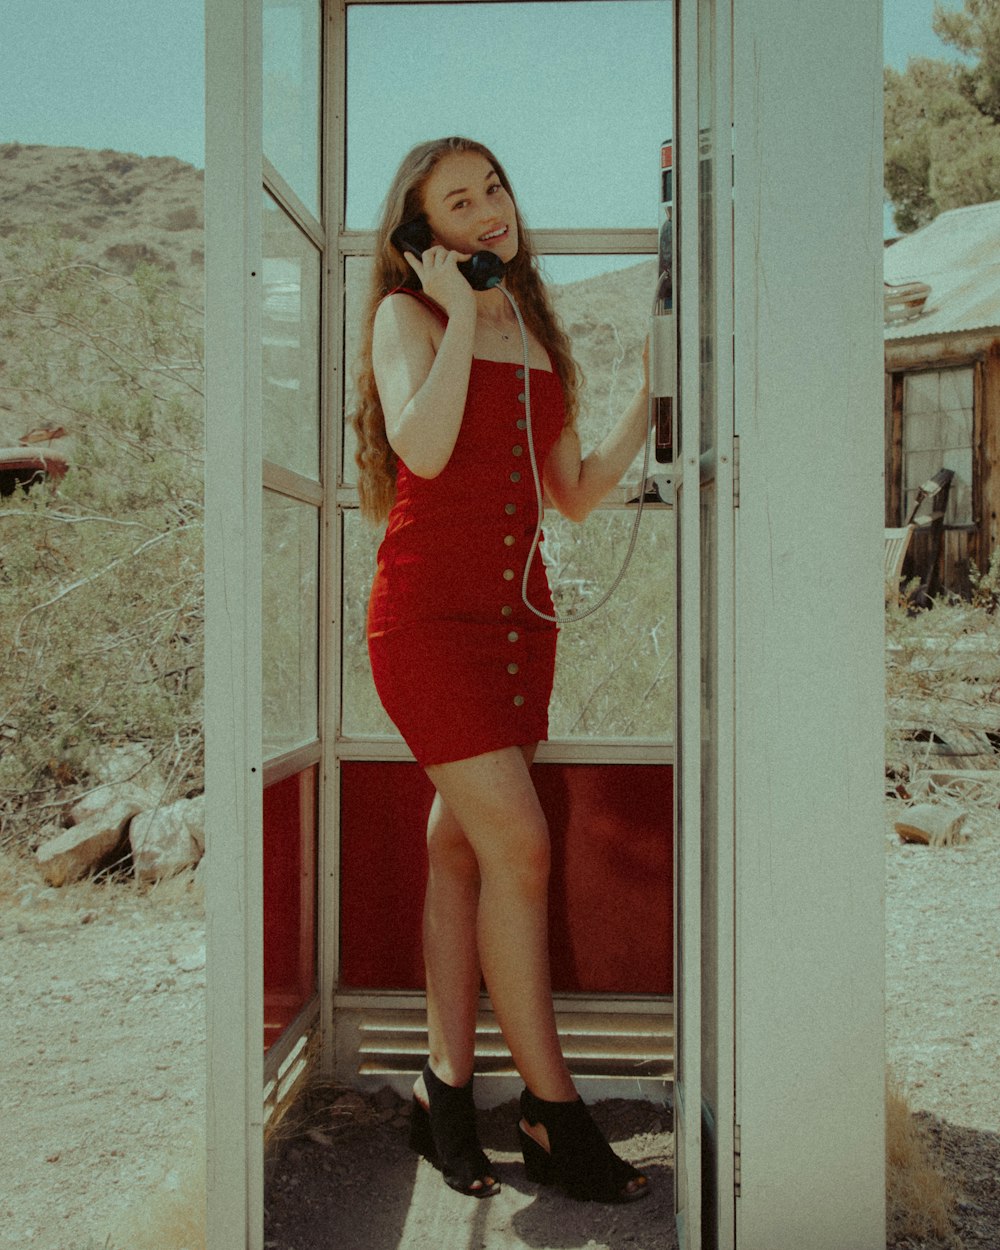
point(461, 665)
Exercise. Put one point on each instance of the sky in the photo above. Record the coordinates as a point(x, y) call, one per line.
point(128, 75)
point(123, 74)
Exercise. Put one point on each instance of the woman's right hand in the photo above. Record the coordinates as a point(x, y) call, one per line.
point(442, 280)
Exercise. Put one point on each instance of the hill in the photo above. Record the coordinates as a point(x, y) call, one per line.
point(119, 208)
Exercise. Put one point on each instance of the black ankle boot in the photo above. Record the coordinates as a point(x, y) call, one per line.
point(445, 1134)
point(578, 1158)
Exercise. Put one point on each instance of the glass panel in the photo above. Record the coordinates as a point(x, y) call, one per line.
point(921, 392)
point(937, 434)
point(923, 431)
point(357, 274)
point(290, 622)
point(956, 389)
point(289, 900)
point(590, 154)
point(959, 510)
point(593, 812)
point(709, 636)
point(292, 94)
point(362, 714)
point(614, 671)
point(956, 430)
point(290, 343)
point(706, 222)
point(604, 303)
point(606, 315)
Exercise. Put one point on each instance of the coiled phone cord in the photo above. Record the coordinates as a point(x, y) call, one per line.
point(576, 616)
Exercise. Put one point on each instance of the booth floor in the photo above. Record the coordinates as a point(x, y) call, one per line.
point(346, 1179)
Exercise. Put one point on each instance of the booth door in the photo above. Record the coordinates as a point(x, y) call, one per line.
point(585, 164)
point(265, 506)
point(705, 501)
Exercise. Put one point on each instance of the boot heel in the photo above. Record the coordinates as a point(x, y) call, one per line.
point(537, 1160)
point(445, 1134)
point(421, 1137)
point(578, 1159)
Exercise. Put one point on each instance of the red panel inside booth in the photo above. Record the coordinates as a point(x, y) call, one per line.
point(289, 900)
point(612, 877)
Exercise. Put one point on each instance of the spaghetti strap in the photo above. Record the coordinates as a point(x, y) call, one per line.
point(426, 300)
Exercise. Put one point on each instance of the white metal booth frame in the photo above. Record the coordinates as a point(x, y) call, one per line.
point(779, 1061)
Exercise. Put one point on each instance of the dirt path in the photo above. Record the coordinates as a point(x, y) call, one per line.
point(103, 1044)
point(102, 1039)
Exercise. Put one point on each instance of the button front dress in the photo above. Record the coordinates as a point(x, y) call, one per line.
point(461, 665)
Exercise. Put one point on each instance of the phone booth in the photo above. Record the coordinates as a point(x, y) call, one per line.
point(738, 968)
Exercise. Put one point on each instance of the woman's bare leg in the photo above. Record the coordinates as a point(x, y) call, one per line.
point(451, 958)
point(489, 852)
point(493, 802)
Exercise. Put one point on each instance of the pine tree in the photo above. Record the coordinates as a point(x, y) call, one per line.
point(942, 120)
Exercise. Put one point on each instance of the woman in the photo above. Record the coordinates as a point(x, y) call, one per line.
point(462, 665)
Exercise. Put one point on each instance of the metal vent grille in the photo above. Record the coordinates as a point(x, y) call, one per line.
point(381, 1045)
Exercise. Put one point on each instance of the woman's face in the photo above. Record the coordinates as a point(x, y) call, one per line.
point(468, 209)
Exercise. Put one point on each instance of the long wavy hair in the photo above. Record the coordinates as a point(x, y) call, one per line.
point(375, 458)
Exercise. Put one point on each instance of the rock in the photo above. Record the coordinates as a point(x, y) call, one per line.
point(168, 839)
point(103, 798)
point(931, 824)
point(131, 762)
point(87, 847)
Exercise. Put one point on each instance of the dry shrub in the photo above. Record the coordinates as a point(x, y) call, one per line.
point(919, 1197)
point(942, 686)
point(101, 617)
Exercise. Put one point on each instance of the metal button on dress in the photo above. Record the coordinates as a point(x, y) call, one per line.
point(517, 449)
point(520, 398)
point(512, 669)
point(508, 575)
point(515, 476)
point(506, 610)
point(510, 508)
point(519, 700)
point(508, 540)
point(513, 636)
point(522, 424)
point(519, 374)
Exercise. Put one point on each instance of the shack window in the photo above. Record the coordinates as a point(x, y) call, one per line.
point(937, 434)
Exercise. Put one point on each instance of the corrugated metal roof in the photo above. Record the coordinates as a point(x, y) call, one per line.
point(958, 256)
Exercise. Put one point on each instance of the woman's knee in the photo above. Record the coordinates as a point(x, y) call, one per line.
point(522, 850)
point(448, 849)
point(500, 817)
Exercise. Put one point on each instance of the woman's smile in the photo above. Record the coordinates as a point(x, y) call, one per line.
point(494, 236)
point(468, 208)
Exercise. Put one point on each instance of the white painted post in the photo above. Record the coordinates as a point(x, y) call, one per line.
point(233, 895)
point(809, 661)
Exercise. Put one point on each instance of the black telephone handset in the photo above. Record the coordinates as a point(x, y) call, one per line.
point(482, 271)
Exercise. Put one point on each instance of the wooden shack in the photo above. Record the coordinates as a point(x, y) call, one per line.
point(942, 385)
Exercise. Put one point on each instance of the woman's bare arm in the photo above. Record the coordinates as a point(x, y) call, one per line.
point(423, 388)
point(576, 484)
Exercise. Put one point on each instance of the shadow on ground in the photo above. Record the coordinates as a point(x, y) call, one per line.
point(341, 1177)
